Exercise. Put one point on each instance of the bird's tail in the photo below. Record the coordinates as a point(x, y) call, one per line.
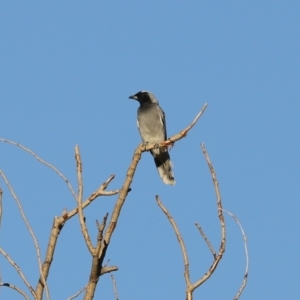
point(164, 166)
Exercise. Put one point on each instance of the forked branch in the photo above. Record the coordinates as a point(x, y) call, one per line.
point(79, 202)
point(104, 236)
point(131, 170)
point(58, 224)
point(94, 275)
point(217, 257)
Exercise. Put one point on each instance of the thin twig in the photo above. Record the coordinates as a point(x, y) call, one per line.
point(1, 207)
point(244, 283)
point(206, 240)
point(17, 268)
point(101, 228)
point(222, 223)
point(129, 175)
point(88, 201)
point(14, 287)
point(57, 226)
point(105, 184)
point(184, 132)
point(106, 263)
point(94, 274)
point(36, 244)
point(180, 240)
point(79, 202)
point(114, 287)
point(77, 294)
point(43, 162)
point(217, 257)
point(59, 222)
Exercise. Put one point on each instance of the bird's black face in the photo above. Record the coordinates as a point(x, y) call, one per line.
point(142, 97)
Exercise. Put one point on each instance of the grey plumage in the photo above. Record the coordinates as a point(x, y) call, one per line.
point(152, 126)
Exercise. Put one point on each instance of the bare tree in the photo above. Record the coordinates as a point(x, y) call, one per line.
point(107, 227)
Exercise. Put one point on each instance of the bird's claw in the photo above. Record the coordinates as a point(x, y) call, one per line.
point(167, 143)
point(145, 145)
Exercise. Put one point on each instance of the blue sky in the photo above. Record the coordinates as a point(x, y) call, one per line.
point(67, 69)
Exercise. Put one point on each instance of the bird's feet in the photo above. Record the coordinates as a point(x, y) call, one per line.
point(168, 143)
point(145, 145)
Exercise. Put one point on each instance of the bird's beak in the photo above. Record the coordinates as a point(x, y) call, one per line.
point(134, 97)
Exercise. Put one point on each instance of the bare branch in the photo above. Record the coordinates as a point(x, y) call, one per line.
point(79, 202)
point(105, 270)
point(36, 244)
point(180, 240)
point(101, 228)
point(14, 287)
point(77, 294)
point(102, 225)
point(206, 240)
point(123, 193)
point(105, 184)
point(97, 261)
point(87, 202)
point(58, 222)
point(107, 263)
point(17, 268)
point(222, 223)
point(57, 226)
point(102, 189)
point(217, 257)
point(129, 176)
point(244, 283)
point(114, 287)
point(107, 193)
point(184, 132)
point(43, 162)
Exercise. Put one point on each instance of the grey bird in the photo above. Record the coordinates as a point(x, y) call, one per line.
point(151, 122)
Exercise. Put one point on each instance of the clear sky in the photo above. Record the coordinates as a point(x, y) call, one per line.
point(66, 71)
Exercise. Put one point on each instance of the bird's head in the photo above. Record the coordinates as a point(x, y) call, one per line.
point(144, 97)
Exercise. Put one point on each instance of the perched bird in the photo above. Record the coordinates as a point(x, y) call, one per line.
point(152, 126)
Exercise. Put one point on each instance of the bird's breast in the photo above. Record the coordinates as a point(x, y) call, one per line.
point(150, 126)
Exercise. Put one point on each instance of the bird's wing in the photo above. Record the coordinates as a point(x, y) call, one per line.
point(162, 118)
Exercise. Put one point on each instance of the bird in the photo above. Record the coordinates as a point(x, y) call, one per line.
point(151, 123)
